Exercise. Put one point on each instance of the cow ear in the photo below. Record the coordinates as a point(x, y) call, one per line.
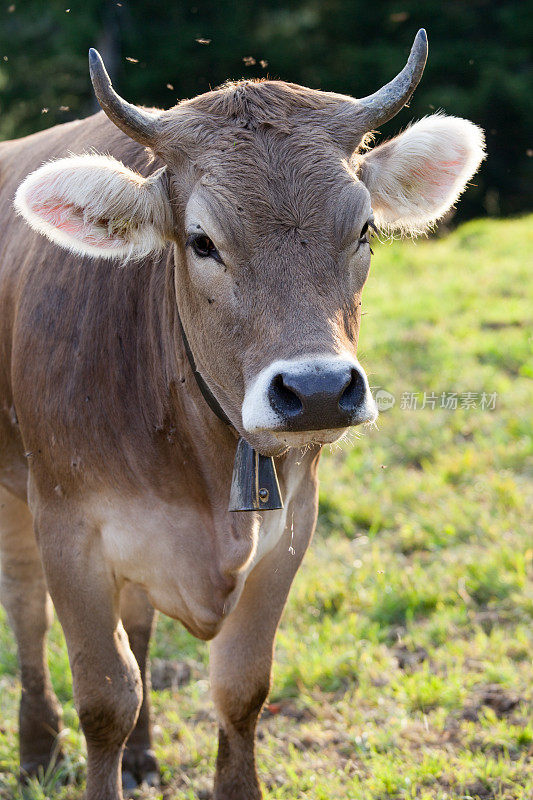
point(416, 177)
point(94, 205)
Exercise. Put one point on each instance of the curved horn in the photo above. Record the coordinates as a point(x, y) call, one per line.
point(383, 105)
point(137, 123)
point(355, 117)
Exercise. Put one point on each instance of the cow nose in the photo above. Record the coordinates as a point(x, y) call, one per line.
point(318, 399)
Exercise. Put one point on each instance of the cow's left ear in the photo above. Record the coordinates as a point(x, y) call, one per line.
point(94, 205)
point(416, 177)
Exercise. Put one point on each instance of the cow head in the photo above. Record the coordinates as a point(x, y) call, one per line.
point(268, 195)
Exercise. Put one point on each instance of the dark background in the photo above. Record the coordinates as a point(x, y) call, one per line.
point(480, 63)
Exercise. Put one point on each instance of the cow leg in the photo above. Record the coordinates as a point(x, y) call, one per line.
point(138, 761)
point(106, 679)
point(25, 597)
point(241, 661)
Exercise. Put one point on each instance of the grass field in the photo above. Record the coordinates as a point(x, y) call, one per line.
point(404, 658)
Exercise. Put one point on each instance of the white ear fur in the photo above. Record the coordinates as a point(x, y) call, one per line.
point(93, 205)
point(416, 177)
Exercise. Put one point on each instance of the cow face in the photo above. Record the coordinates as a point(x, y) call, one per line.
point(274, 252)
point(269, 202)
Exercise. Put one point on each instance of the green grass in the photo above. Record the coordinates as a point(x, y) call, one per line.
point(414, 605)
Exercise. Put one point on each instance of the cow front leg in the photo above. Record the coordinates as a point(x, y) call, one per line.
point(25, 597)
point(139, 764)
point(241, 662)
point(106, 679)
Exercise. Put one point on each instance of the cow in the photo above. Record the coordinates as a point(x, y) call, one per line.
point(172, 282)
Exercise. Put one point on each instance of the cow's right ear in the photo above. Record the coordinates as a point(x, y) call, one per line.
point(94, 205)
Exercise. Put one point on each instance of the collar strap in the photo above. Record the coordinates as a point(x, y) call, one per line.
point(208, 395)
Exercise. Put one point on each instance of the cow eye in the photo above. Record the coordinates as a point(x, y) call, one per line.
point(203, 246)
point(363, 235)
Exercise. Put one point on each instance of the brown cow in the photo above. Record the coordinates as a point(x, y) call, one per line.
point(242, 215)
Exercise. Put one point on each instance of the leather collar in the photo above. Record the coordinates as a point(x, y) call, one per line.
point(208, 395)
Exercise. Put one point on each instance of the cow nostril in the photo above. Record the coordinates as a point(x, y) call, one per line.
point(354, 394)
point(283, 399)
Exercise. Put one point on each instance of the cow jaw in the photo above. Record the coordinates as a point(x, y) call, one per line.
point(307, 401)
point(310, 438)
point(269, 443)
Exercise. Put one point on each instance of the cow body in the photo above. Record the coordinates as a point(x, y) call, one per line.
point(99, 405)
point(247, 224)
point(100, 400)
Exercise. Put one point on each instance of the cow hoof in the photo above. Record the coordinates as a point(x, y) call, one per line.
point(129, 781)
point(39, 766)
point(152, 779)
point(32, 769)
point(139, 767)
point(131, 784)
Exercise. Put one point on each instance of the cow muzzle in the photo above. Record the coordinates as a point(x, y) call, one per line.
point(308, 396)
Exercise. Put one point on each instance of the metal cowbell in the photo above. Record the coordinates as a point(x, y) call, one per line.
point(254, 484)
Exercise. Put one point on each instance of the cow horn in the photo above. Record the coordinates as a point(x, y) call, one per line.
point(137, 123)
point(384, 104)
point(367, 113)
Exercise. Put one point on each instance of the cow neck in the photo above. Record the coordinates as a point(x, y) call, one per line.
point(254, 483)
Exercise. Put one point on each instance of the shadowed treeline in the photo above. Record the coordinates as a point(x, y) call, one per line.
point(480, 63)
